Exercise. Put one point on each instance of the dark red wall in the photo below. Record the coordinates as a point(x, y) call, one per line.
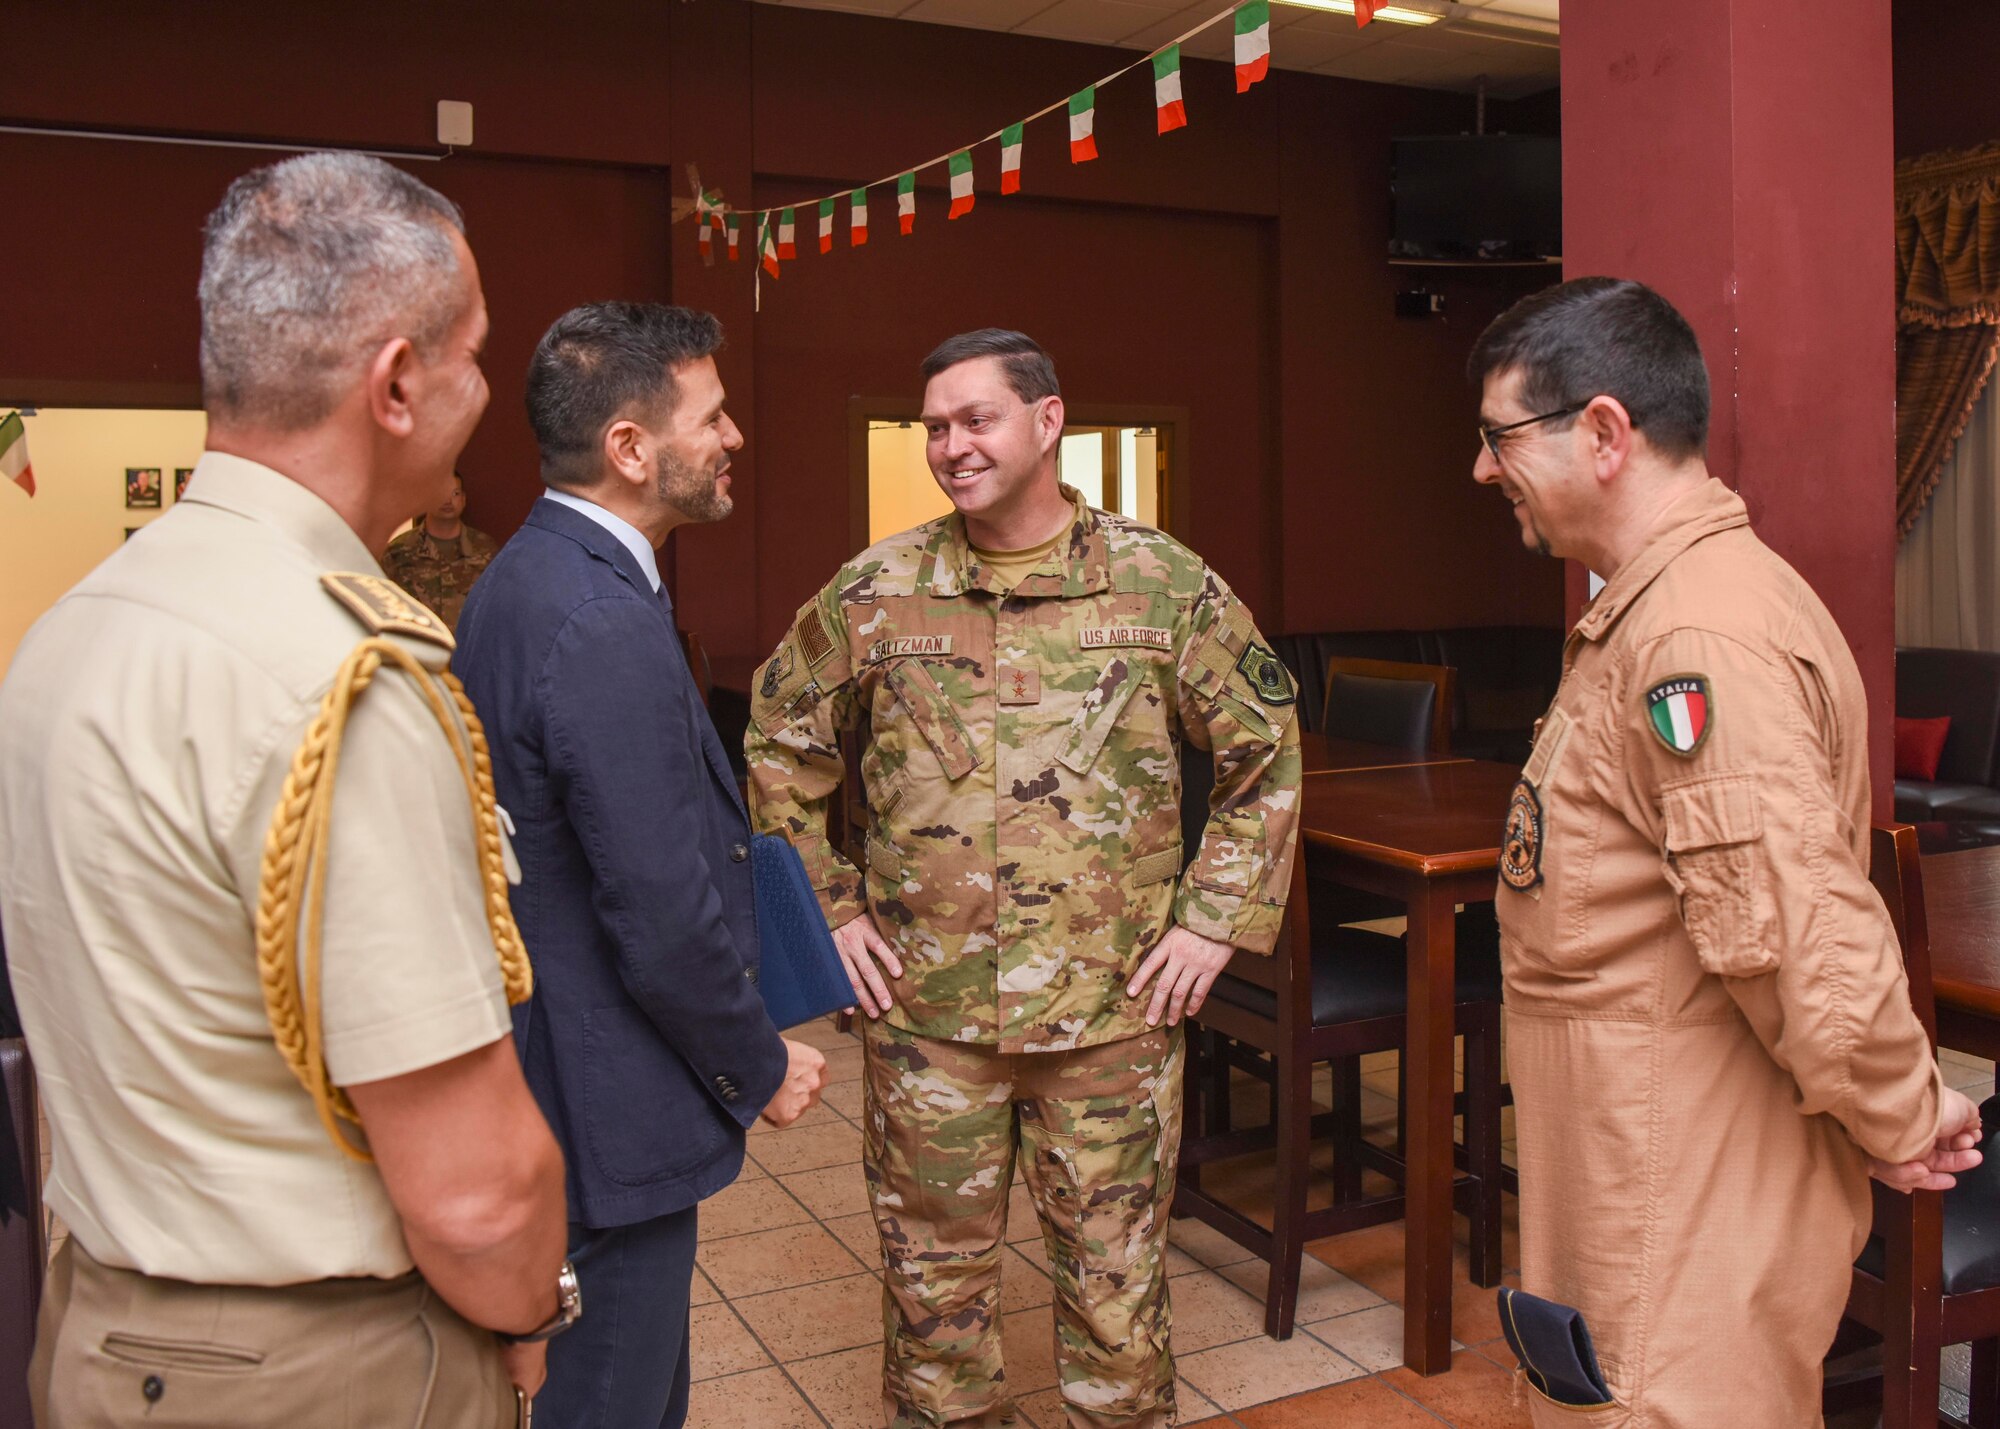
point(1947, 96)
point(1234, 269)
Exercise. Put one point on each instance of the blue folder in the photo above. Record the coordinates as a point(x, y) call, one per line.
point(801, 975)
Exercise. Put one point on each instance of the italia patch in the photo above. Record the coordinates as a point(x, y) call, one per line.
point(1681, 712)
point(1521, 843)
point(1268, 677)
point(778, 671)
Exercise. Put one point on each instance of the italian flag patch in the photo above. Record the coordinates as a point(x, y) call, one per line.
point(1680, 710)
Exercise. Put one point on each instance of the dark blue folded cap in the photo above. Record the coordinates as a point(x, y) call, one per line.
point(1553, 1345)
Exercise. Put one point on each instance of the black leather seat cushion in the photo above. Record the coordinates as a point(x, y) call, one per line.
point(1971, 1220)
point(1359, 975)
point(1398, 712)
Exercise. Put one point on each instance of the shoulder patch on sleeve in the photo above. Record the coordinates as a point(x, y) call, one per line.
point(1680, 712)
point(815, 641)
point(384, 608)
point(1268, 678)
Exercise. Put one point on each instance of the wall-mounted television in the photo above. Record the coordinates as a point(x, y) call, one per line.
point(1492, 197)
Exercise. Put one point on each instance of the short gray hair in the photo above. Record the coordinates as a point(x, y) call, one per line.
point(307, 267)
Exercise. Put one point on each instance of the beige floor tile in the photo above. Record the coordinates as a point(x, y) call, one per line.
point(718, 1344)
point(843, 1064)
point(819, 1115)
point(763, 1398)
point(775, 1260)
point(702, 1291)
point(1023, 1223)
point(831, 1191)
point(746, 1206)
point(1206, 1244)
point(846, 1388)
point(823, 1034)
point(859, 1235)
point(833, 1143)
point(845, 1098)
point(1023, 1285)
point(751, 1171)
point(1028, 1345)
point(1323, 1291)
point(1372, 1338)
point(1209, 1311)
point(1257, 1370)
point(812, 1320)
point(1179, 1262)
point(1044, 1408)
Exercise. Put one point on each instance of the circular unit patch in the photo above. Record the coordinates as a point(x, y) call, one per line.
point(1521, 844)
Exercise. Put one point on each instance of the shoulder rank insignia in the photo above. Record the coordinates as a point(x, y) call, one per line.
point(1521, 844)
point(1268, 677)
point(1681, 711)
point(384, 608)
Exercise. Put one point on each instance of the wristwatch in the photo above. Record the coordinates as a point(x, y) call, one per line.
point(569, 1309)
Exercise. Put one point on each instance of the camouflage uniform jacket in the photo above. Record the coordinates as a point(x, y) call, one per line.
point(439, 573)
point(1021, 763)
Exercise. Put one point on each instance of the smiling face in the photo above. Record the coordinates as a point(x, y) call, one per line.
point(692, 450)
point(1539, 471)
point(990, 453)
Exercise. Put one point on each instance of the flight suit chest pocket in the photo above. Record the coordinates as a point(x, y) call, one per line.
point(1098, 715)
point(927, 708)
point(1715, 863)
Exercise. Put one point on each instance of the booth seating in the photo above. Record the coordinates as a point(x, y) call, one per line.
point(1964, 685)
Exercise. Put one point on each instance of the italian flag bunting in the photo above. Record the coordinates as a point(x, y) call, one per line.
point(906, 202)
point(961, 184)
point(857, 231)
point(702, 237)
point(1010, 158)
point(788, 248)
point(1167, 89)
point(767, 241)
point(1083, 125)
point(733, 223)
point(1364, 11)
point(1253, 42)
point(826, 225)
point(14, 452)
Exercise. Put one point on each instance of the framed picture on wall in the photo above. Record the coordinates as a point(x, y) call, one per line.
point(181, 475)
point(142, 486)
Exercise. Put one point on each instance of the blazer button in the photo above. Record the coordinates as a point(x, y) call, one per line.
point(751, 973)
point(738, 852)
point(725, 1088)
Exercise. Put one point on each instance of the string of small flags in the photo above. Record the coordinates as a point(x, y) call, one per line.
point(774, 229)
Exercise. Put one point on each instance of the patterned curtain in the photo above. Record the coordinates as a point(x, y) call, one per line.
point(1948, 310)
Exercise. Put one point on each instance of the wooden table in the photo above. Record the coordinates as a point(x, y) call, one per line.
point(1429, 836)
point(1321, 754)
point(1962, 908)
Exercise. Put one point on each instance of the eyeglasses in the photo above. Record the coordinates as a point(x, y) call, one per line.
point(1491, 435)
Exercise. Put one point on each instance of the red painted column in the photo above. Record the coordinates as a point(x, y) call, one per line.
point(1737, 156)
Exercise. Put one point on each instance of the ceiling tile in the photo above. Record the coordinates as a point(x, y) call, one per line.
point(1097, 22)
point(981, 14)
point(1174, 23)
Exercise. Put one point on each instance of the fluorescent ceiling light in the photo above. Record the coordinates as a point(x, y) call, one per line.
point(1394, 14)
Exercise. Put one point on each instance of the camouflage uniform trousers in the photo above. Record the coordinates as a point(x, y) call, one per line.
point(1100, 1130)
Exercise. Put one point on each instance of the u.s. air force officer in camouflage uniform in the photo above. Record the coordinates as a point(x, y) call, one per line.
point(1022, 673)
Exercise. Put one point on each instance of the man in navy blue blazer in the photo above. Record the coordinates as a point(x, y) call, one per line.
point(646, 1042)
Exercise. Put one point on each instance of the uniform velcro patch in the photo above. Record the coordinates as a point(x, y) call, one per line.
point(815, 642)
point(384, 608)
point(1680, 712)
point(902, 645)
point(1268, 677)
point(1104, 637)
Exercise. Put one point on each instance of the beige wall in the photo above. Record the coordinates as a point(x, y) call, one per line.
point(901, 490)
point(78, 516)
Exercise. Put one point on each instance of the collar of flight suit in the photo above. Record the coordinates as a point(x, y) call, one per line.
point(1078, 565)
point(259, 493)
point(1708, 509)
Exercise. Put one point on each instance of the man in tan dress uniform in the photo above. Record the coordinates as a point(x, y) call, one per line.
point(240, 1254)
point(1709, 1030)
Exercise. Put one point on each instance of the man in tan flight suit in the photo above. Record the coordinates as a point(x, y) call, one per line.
point(240, 1254)
point(1710, 1033)
point(1023, 673)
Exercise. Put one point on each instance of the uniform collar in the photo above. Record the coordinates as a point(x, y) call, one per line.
point(1701, 513)
point(259, 493)
point(1079, 564)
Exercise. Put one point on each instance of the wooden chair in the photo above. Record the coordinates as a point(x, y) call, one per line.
point(1272, 1016)
point(1374, 700)
point(1929, 1276)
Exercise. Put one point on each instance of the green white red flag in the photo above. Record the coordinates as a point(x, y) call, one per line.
point(14, 453)
point(906, 202)
point(1364, 11)
point(1083, 125)
point(1010, 158)
point(1167, 89)
point(733, 224)
point(826, 225)
point(1253, 42)
point(857, 223)
point(961, 184)
point(788, 247)
point(767, 241)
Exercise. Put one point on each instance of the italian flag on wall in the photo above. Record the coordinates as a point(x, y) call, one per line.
point(1167, 89)
point(767, 242)
point(788, 247)
point(857, 225)
point(14, 452)
point(1083, 125)
point(826, 225)
point(1010, 158)
point(1253, 42)
point(906, 202)
point(733, 223)
point(961, 184)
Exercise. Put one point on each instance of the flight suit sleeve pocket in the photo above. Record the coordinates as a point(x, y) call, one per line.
point(1714, 847)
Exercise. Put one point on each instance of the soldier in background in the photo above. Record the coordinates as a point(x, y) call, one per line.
point(439, 558)
point(1024, 672)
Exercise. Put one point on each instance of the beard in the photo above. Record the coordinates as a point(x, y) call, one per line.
point(691, 490)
